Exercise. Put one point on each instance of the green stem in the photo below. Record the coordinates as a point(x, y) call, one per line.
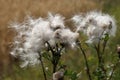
point(56, 58)
point(98, 53)
point(100, 57)
point(113, 70)
point(86, 62)
point(43, 68)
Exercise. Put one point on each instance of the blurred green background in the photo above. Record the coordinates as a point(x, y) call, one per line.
point(17, 10)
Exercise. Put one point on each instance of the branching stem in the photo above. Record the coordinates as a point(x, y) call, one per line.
point(56, 54)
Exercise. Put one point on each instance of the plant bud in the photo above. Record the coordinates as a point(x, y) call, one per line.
point(118, 51)
point(59, 75)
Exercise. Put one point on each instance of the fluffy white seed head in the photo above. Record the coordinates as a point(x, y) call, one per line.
point(80, 23)
point(31, 36)
point(30, 59)
point(95, 25)
point(66, 36)
point(103, 23)
point(77, 19)
point(56, 21)
point(107, 23)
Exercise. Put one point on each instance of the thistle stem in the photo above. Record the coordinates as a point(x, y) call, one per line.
point(43, 68)
point(54, 68)
point(104, 46)
point(100, 57)
point(114, 67)
point(97, 48)
point(86, 62)
point(56, 58)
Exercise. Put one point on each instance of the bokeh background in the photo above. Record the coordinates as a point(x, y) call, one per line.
point(17, 10)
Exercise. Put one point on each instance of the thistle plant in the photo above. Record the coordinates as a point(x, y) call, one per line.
point(36, 37)
point(48, 37)
point(99, 28)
